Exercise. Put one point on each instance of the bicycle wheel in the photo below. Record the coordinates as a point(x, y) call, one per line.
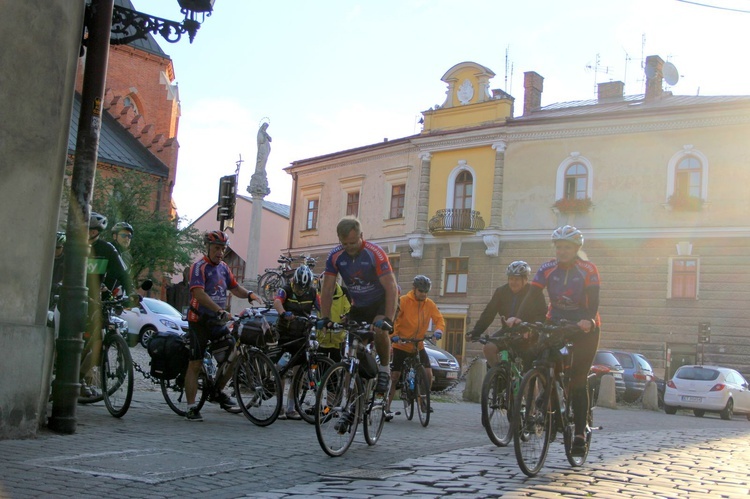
point(422, 396)
point(407, 395)
point(374, 414)
point(305, 386)
point(337, 409)
point(257, 387)
point(577, 461)
point(268, 284)
point(497, 407)
point(531, 423)
point(93, 381)
point(117, 375)
point(173, 391)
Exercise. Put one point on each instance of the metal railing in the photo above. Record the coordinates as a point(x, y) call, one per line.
point(456, 220)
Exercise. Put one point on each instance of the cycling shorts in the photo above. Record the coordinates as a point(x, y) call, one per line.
point(198, 336)
point(399, 356)
point(368, 313)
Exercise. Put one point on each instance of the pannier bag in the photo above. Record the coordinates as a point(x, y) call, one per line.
point(368, 366)
point(169, 355)
point(221, 348)
point(256, 331)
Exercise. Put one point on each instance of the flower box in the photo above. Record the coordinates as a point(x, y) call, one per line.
point(573, 205)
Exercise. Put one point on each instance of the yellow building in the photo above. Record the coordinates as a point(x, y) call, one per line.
point(657, 182)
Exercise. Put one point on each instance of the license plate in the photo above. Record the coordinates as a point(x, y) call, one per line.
point(686, 398)
point(617, 376)
point(451, 375)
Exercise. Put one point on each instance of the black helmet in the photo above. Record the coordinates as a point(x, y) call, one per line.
point(122, 226)
point(568, 233)
point(302, 279)
point(60, 239)
point(518, 268)
point(97, 221)
point(422, 283)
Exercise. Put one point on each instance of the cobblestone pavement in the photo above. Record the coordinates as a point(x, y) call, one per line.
point(152, 453)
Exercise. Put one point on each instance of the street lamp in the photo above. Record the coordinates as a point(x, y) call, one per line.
point(105, 24)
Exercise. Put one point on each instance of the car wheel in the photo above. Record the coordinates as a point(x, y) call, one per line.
point(146, 334)
point(728, 411)
point(670, 410)
point(699, 413)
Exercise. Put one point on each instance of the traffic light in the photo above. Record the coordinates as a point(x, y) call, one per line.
point(227, 197)
point(704, 332)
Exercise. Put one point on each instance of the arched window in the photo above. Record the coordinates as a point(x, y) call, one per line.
point(129, 101)
point(463, 190)
point(576, 181)
point(687, 177)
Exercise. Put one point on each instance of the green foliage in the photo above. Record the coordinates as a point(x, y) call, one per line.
point(159, 244)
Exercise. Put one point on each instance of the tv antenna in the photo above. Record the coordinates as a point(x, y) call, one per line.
point(238, 163)
point(597, 68)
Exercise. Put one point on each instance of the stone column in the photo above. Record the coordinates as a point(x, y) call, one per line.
point(496, 212)
point(423, 203)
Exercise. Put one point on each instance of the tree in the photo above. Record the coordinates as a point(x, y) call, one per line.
point(159, 244)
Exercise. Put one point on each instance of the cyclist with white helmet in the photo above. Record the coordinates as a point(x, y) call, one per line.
point(506, 303)
point(573, 289)
point(210, 280)
point(296, 299)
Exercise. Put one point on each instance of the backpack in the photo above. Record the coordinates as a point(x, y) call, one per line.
point(169, 355)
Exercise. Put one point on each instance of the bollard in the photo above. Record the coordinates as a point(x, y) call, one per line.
point(607, 392)
point(650, 400)
point(474, 380)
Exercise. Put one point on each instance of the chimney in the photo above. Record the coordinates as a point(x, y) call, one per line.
point(610, 91)
point(654, 77)
point(532, 95)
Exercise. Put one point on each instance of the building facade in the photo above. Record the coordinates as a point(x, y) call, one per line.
point(655, 181)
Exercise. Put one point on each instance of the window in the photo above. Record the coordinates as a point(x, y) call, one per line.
point(463, 190)
point(312, 214)
point(129, 101)
point(352, 204)
point(576, 181)
point(398, 198)
point(684, 278)
point(395, 264)
point(687, 178)
point(456, 275)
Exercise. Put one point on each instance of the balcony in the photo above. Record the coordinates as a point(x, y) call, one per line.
point(456, 221)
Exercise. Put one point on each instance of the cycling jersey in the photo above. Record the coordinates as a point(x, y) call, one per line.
point(527, 306)
point(215, 280)
point(104, 265)
point(413, 319)
point(361, 274)
point(572, 289)
point(298, 305)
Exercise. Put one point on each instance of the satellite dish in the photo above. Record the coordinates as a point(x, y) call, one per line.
point(671, 76)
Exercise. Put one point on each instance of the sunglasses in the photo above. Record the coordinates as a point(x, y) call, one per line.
point(127, 235)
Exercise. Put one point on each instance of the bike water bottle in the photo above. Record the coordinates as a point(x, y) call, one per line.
point(410, 379)
point(284, 360)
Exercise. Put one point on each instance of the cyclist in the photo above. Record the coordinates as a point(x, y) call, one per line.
point(330, 342)
point(366, 271)
point(573, 288)
point(122, 236)
point(105, 269)
point(294, 299)
point(506, 302)
point(210, 279)
point(415, 313)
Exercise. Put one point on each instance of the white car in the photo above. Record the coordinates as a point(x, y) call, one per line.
point(151, 316)
point(707, 389)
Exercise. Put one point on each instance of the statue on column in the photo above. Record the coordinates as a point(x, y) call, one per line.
point(258, 182)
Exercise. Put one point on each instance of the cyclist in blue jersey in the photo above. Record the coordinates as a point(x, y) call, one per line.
point(573, 288)
point(210, 279)
point(366, 271)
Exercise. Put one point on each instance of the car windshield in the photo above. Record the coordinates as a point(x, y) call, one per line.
point(697, 374)
point(626, 360)
point(159, 307)
point(643, 363)
point(607, 359)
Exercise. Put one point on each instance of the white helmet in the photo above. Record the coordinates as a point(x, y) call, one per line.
point(568, 233)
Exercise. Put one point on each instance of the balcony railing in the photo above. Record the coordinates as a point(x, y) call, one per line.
point(456, 220)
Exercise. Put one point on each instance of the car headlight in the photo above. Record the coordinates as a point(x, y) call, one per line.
point(121, 328)
point(434, 362)
point(169, 324)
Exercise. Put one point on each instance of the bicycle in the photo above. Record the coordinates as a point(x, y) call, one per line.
point(278, 277)
point(344, 399)
point(414, 384)
point(111, 379)
point(541, 406)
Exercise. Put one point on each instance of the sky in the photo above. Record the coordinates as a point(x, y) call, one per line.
point(333, 75)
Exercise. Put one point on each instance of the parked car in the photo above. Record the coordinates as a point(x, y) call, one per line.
point(445, 367)
point(707, 389)
point(637, 371)
point(150, 316)
point(605, 358)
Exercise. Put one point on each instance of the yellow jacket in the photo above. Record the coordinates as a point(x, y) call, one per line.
point(413, 319)
point(339, 306)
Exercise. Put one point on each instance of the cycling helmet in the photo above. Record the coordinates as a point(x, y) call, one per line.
point(60, 241)
point(422, 283)
point(216, 237)
point(518, 268)
point(122, 226)
point(568, 233)
point(302, 279)
point(97, 221)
